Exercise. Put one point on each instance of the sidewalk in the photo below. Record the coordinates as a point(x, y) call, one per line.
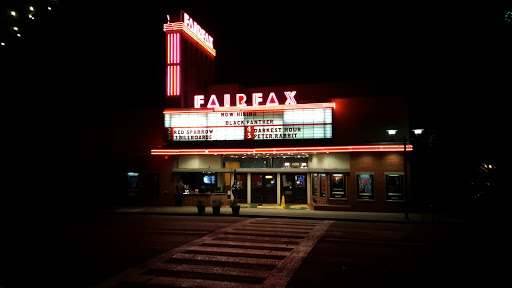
point(296, 211)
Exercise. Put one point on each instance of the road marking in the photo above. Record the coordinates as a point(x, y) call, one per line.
point(256, 252)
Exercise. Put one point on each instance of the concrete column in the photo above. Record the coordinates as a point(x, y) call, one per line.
point(249, 184)
point(278, 188)
point(308, 180)
point(232, 181)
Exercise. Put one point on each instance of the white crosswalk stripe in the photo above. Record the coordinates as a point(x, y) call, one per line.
point(258, 252)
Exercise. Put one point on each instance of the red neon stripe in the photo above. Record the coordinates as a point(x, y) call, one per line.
point(173, 73)
point(168, 49)
point(251, 108)
point(178, 80)
point(334, 149)
point(175, 79)
point(178, 60)
point(174, 48)
point(168, 80)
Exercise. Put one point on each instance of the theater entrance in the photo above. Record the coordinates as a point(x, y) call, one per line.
point(263, 188)
point(240, 187)
point(293, 187)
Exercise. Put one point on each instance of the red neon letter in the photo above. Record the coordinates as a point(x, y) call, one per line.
point(272, 100)
point(256, 98)
point(240, 100)
point(213, 102)
point(198, 100)
point(290, 98)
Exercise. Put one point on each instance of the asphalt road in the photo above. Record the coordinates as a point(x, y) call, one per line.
point(170, 251)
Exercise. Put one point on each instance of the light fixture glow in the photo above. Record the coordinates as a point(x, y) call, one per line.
point(417, 131)
point(392, 132)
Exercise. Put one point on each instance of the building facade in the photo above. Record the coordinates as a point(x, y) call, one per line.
point(324, 145)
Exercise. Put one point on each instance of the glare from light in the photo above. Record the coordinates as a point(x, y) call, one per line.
point(392, 132)
point(15, 28)
point(49, 8)
point(3, 43)
point(417, 131)
point(13, 13)
point(19, 35)
point(31, 8)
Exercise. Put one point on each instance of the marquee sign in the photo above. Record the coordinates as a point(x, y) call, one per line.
point(192, 29)
point(241, 100)
point(277, 122)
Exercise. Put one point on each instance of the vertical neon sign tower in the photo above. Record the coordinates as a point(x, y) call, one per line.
point(189, 59)
point(173, 64)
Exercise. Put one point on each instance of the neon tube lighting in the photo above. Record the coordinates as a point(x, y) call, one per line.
point(179, 26)
point(173, 80)
point(282, 150)
point(252, 108)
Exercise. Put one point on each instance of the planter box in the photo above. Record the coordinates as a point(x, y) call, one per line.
point(235, 210)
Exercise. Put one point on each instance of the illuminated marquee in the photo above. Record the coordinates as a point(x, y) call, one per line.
point(301, 121)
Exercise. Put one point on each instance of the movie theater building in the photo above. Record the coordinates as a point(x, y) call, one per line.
point(325, 145)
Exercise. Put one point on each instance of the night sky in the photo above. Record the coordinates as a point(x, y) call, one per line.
point(99, 56)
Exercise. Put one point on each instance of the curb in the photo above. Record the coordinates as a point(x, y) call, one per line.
point(266, 216)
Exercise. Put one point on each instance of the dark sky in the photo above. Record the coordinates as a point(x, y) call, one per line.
point(101, 55)
point(117, 42)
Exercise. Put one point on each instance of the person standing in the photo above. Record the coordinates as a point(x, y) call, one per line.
point(180, 190)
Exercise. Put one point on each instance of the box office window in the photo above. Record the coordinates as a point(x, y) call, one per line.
point(365, 186)
point(395, 187)
point(338, 187)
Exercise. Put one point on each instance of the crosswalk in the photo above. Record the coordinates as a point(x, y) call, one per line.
point(259, 252)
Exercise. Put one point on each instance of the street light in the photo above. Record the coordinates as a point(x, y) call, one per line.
point(416, 132)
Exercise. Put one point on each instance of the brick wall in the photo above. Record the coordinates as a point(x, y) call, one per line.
point(374, 162)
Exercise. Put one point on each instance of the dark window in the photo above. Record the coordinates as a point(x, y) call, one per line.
point(394, 187)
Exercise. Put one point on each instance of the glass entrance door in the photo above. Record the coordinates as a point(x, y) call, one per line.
point(240, 187)
point(293, 187)
point(264, 188)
